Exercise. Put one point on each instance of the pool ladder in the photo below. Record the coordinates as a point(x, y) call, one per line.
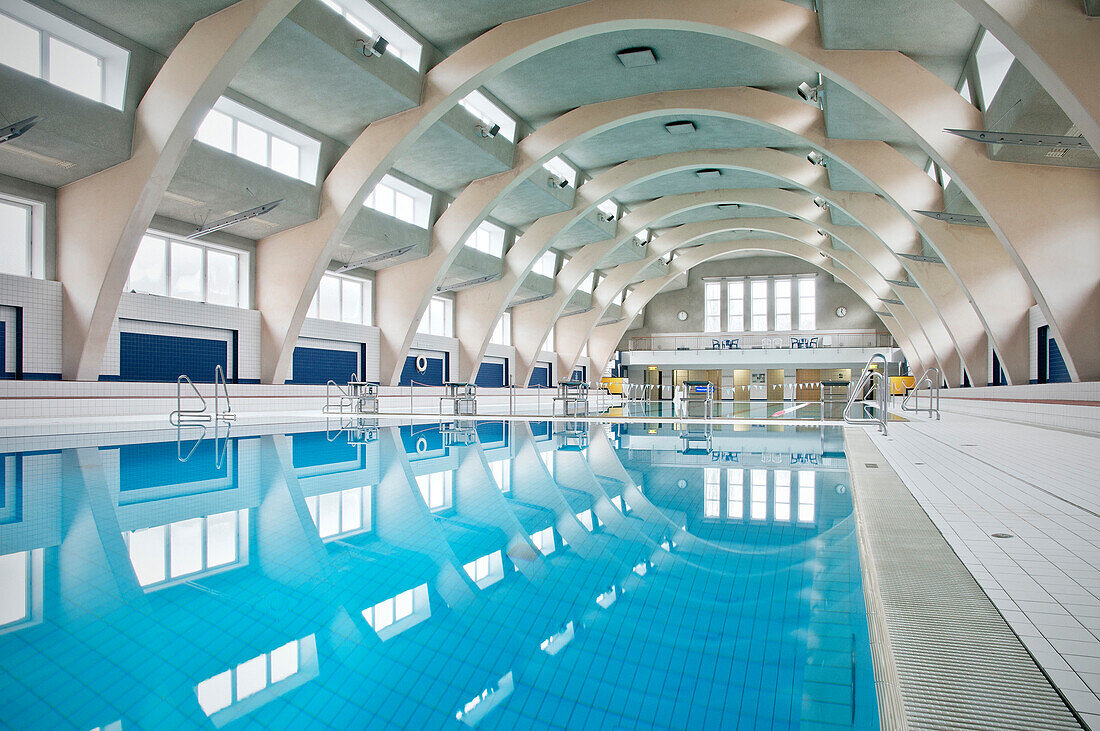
point(880, 382)
point(930, 380)
point(187, 417)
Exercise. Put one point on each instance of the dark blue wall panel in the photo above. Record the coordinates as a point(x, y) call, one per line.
point(435, 375)
point(491, 375)
point(161, 358)
point(540, 375)
point(318, 365)
point(492, 432)
point(1056, 368)
point(580, 373)
point(412, 435)
point(314, 449)
point(4, 372)
point(142, 466)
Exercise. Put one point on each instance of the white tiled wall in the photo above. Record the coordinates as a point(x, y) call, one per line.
point(503, 351)
point(40, 300)
point(1019, 404)
point(153, 314)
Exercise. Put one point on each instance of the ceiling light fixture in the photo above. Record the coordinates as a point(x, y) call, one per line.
point(1022, 138)
point(489, 133)
point(467, 283)
point(816, 158)
point(234, 219)
point(963, 218)
point(16, 130)
point(632, 58)
point(374, 48)
point(811, 94)
point(683, 127)
point(375, 258)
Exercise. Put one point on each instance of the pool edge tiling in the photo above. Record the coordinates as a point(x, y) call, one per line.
point(955, 661)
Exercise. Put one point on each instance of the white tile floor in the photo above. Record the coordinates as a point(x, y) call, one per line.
point(976, 477)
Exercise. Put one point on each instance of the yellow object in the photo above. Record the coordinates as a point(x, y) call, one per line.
point(613, 385)
point(900, 384)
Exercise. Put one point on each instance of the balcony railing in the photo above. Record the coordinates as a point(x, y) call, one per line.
point(769, 340)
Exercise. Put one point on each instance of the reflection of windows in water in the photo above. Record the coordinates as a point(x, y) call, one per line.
point(758, 495)
point(168, 554)
point(807, 483)
point(396, 614)
point(254, 682)
point(436, 489)
point(341, 512)
point(548, 460)
point(712, 492)
point(735, 494)
point(486, 570)
point(544, 540)
point(502, 474)
point(782, 495)
point(21, 576)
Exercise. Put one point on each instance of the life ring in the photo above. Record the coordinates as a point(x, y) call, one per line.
point(421, 364)
point(421, 445)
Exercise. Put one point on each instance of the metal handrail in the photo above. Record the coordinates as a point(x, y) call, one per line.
point(227, 415)
point(344, 396)
point(880, 395)
point(187, 416)
point(179, 441)
point(933, 393)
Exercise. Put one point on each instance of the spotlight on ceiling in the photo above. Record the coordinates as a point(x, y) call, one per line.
point(16, 130)
point(374, 48)
point(487, 133)
point(632, 58)
point(821, 203)
point(709, 173)
point(809, 93)
point(816, 158)
point(680, 128)
point(555, 182)
point(235, 218)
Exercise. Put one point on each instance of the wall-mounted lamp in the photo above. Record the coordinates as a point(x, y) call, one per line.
point(816, 158)
point(489, 133)
point(374, 48)
point(821, 203)
point(809, 93)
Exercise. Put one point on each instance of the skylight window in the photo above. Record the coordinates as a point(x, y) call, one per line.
point(405, 202)
point(993, 61)
point(546, 264)
point(487, 238)
point(43, 45)
point(587, 283)
point(964, 91)
point(244, 132)
point(609, 208)
point(372, 22)
point(489, 113)
point(562, 170)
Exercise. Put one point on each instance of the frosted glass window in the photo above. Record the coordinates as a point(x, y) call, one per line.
point(15, 236)
point(437, 318)
point(251, 143)
point(216, 130)
point(186, 271)
point(807, 304)
point(15, 578)
point(75, 70)
point(712, 306)
point(222, 287)
point(329, 298)
point(993, 61)
point(782, 292)
point(758, 495)
point(285, 157)
point(21, 48)
point(735, 493)
point(782, 495)
point(341, 298)
point(735, 306)
point(758, 289)
point(351, 301)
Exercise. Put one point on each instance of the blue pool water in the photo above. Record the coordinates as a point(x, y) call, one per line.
point(455, 575)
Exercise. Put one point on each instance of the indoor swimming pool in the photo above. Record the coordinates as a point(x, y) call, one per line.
point(361, 573)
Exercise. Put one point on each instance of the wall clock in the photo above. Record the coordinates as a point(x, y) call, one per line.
point(682, 315)
point(841, 311)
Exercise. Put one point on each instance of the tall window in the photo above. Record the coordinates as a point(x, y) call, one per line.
point(372, 22)
point(735, 305)
point(438, 319)
point(392, 616)
point(782, 495)
point(489, 113)
point(561, 170)
point(712, 306)
point(437, 489)
point(341, 512)
point(712, 492)
point(758, 290)
point(993, 61)
point(782, 289)
point(487, 238)
point(260, 675)
point(545, 264)
point(486, 570)
point(15, 236)
point(758, 495)
point(240, 131)
point(45, 46)
point(807, 303)
point(502, 333)
point(167, 554)
point(343, 299)
point(189, 270)
point(544, 540)
point(735, 493)
point(587, 283)
point(502, 474)
point(395, 197)
point(551, 339)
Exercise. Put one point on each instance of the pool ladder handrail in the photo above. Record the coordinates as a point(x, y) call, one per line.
point(931, 379)
point(344, 398)
point(199, 416)
point(870, 375)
